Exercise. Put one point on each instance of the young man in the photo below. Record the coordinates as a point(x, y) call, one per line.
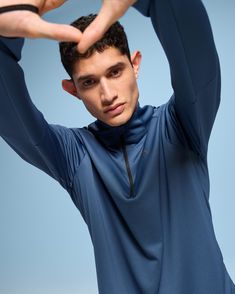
point(138, 175)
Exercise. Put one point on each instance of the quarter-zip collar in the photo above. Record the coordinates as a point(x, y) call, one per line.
point(132, 132)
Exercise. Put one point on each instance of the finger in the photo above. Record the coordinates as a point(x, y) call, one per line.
point(96, 30)
point(30, 25)
point(110, 12)
point(59, 32)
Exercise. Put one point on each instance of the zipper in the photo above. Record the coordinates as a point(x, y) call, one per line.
point(128, 168)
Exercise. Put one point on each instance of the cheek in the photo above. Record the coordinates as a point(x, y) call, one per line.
point(91, 103)
point(132, 88)
point(128, 85)
point(90, 106)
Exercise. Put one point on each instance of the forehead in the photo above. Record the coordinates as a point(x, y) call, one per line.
point(99, 62)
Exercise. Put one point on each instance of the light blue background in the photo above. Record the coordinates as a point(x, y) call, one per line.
point(44, 243)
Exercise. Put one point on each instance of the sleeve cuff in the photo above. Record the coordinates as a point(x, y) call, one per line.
point(13, 46)
point(143, 6)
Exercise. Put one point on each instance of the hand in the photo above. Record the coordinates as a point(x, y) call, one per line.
point(110, 12)
point(28, 24)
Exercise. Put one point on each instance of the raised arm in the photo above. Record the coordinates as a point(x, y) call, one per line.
point(23, 127)
point(184, 31)
point(54, 149)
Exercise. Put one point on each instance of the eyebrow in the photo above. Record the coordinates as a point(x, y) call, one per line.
point(89, 76)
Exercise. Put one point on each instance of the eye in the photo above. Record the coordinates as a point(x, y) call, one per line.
point(88, 83)
point(115, 73)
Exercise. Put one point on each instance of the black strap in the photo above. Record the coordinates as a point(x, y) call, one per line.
point(29, 7)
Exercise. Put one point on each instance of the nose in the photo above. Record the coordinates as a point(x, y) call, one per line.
point(108, 93)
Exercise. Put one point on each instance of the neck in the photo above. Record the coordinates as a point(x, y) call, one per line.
point(131, 132)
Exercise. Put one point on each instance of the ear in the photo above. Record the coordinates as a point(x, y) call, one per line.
point(136, 58)
point(68, 86)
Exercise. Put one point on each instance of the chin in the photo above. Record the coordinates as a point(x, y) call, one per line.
point(118, 121)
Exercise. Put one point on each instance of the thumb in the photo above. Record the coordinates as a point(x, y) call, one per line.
point(95, 30)
point(110, 12)
point(59, 32)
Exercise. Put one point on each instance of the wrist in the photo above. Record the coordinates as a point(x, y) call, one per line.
point(15, 2)
point(19, 7)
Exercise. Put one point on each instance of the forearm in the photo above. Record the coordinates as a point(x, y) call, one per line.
point(18, 116)
point(184, 31)
point(12, 46)
point(23, 127)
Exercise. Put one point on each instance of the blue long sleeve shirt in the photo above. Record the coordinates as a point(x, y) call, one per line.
point(142, 188)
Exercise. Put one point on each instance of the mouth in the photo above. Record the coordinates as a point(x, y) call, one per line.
point(115, 109)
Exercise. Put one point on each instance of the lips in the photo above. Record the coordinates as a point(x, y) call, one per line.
point(112, 108)
point(115, 110)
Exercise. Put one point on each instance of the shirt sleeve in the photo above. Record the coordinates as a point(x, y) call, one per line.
point(54, 149)
point(184, 31)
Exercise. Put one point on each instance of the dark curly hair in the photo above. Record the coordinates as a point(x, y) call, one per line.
point(114, 37)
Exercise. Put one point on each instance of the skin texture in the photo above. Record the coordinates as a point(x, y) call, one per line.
point(30, 25)
point(107, 85)
point(111, 11)
point(110, 89)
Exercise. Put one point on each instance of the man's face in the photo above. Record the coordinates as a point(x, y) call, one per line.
point(106, 84)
